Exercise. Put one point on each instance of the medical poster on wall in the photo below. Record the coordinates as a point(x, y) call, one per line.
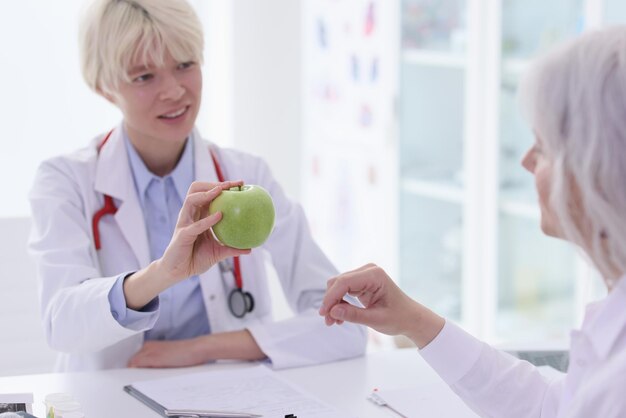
point(350, 71)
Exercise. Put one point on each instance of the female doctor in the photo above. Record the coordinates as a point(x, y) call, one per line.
point(128, 269)
point(576, 101)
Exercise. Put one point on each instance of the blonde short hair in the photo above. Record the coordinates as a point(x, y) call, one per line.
point(114, 33)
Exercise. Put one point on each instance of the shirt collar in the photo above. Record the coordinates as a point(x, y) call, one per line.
point(182, 175)
point(605, 321)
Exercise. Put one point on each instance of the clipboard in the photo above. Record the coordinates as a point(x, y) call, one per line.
point(154, 405)
point(190, 413)
point(433, 400)
point(242, 392)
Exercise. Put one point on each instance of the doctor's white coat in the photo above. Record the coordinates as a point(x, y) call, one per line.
point(75, 279)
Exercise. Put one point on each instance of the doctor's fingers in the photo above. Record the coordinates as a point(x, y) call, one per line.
point(196, 206)
point(189, 233)
point(200, 226)
point(203, 186)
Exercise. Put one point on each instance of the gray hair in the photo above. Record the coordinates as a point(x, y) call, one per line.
point(113, 33)
point(575, 99)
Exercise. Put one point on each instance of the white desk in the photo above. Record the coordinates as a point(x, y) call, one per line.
point(344, 385)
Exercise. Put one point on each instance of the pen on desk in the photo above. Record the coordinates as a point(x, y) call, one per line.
point(191, 413)
point(378, 400)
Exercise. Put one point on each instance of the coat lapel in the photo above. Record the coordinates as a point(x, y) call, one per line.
point(205, 170)
point(114, 178)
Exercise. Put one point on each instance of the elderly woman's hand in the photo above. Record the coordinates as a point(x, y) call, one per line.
point(387, 308)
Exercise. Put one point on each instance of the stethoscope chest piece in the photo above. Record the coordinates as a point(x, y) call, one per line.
point(240, 302)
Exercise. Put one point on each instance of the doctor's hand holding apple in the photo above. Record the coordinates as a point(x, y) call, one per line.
point(193, 249)
point(242, 217)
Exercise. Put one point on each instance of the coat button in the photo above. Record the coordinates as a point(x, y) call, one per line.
point(212, 297)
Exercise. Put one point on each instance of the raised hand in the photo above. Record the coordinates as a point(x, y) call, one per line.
point(193, 248)
point(387, 308)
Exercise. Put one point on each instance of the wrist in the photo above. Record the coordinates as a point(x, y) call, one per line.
point(143, 286)
point(163, 277)
point(423, 325)
point(201, 349)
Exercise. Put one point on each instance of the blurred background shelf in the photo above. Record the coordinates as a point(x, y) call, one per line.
point(434, 58)
point(461, 64)
point(446, 192)
point(423, 123)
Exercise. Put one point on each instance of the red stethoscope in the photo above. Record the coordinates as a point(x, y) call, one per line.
point(240, 302)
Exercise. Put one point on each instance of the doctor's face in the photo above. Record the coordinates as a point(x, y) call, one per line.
point(160, 104)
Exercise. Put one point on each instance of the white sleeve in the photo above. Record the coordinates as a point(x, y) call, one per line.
point(491, 382)
point(74, 297)
point(303, 270)
point(601, 393)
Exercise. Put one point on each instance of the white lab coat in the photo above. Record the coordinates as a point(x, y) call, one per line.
point(75, 279)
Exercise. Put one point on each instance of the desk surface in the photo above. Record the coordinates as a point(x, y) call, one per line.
point(344, 385)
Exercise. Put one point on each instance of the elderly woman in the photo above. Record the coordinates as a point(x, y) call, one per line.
point(575, 100)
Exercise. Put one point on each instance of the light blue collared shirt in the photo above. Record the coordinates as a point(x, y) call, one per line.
point(178, 312)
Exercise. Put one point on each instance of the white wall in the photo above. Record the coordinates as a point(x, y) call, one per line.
point(23, 348)
point(253, 80)
point(46, 108)
point(267, 85)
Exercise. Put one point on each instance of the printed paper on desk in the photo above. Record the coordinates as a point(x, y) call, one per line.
point(435, 401)
point(254, 389)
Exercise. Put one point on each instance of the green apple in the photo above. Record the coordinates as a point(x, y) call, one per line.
point(247, 216)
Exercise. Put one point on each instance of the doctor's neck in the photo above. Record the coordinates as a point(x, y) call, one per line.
point(160, 156)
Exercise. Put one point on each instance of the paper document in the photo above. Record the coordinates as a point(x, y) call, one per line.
point(434, 402)
point(255, 389)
